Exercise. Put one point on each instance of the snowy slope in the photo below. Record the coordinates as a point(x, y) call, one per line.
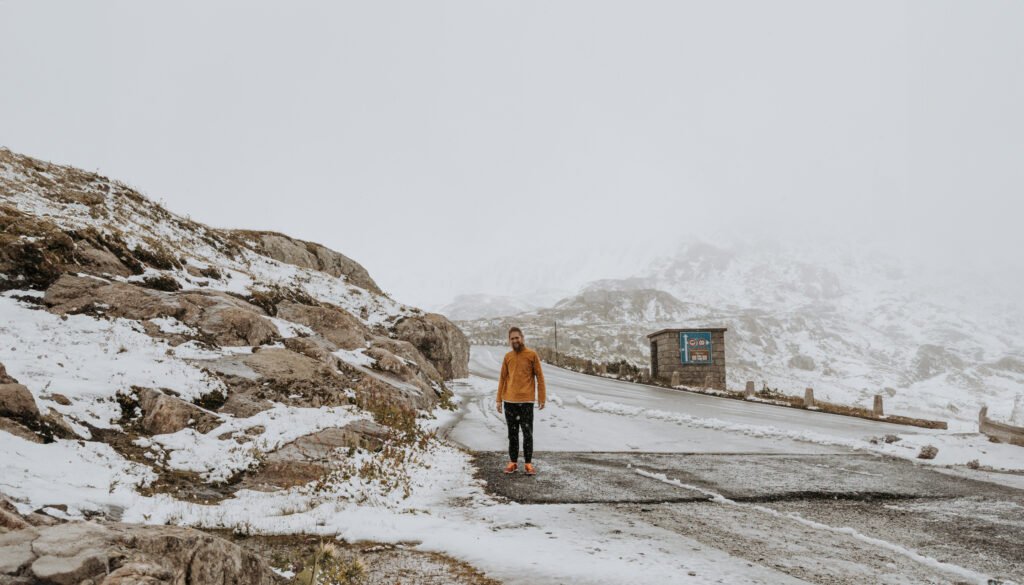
point(87, 370)
point(115, 211)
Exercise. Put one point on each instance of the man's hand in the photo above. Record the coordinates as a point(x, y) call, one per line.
point(541, 406)
point(499, 407)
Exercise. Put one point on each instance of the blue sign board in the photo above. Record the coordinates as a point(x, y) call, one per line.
point(695, 347)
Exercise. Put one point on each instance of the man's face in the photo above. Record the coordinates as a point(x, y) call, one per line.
point(516, 340)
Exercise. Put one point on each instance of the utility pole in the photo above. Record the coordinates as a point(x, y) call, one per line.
point(556, 343)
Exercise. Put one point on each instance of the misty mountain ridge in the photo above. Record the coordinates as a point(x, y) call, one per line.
point(846, 323)
point(477, 306)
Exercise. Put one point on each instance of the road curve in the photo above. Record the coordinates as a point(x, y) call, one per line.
point(485, 361)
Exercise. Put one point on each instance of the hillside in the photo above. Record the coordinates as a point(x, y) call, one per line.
point(849, 326)
point(477, 306)
point(154, 369)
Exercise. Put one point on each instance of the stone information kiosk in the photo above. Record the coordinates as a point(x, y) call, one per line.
point(689, 357)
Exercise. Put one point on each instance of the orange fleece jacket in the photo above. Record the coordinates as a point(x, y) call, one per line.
point(517, 374)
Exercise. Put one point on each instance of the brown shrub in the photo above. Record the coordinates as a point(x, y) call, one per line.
point(161, 282)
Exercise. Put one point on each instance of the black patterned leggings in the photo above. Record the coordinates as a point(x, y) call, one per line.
point(519, 415)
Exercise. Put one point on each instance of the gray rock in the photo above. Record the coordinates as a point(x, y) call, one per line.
point(99, 261)
point(333, 323)
point(140, 574)
point(74, 294)
point(227, 320)
point(4, 378)
point(224, 319)
point(70, 570)
point(84, 552)
point(61, 399)
point(388, 362)
point(194, 556)
point(19, 430)
point(16, 550)
point(439, 340)
point(71, 538)
point(310, 255)
point(164, 414)
point(10, 519)
point(60, 428)
point(315, 348)
point(410, 353)
point(288, 377)
point(284, 366)
point(16, 401)
point(312, 456)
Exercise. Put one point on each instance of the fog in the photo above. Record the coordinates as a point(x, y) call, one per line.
point(441, 144)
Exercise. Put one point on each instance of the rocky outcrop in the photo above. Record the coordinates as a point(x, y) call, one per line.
point(17, 402)
point(439, 340)
point(20, 415)
point(311, 457)
point(222, 318)
point(310, 255)
point(229, 321)
point(82, 294)
point(289, 378)
point(19, 430)
point(99, 261)
point(312, 347)
point(88, 552)
point(332, 323)
point(11, 519)
point(164, 414)
point(139, 574)
point(4, 378)
point(408, 353)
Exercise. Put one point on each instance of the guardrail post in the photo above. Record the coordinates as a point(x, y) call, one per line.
point(878, 406)
point(749, 391)
point(808, 397)
point(982, 417)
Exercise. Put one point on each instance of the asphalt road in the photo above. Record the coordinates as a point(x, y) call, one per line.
point(830, 519)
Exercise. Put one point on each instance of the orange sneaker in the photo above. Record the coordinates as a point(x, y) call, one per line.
point(530, 469)
point(511, 467)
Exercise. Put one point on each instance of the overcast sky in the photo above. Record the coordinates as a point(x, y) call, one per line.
point(449, 146)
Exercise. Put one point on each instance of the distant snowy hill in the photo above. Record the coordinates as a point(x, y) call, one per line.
point(477, 306)
point(848, 324)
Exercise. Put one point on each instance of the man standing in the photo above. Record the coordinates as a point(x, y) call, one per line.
point(516, 392)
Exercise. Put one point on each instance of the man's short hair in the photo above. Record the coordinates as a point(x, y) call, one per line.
point(515, 330)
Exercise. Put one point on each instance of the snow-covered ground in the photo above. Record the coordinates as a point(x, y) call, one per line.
point(89, 361)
